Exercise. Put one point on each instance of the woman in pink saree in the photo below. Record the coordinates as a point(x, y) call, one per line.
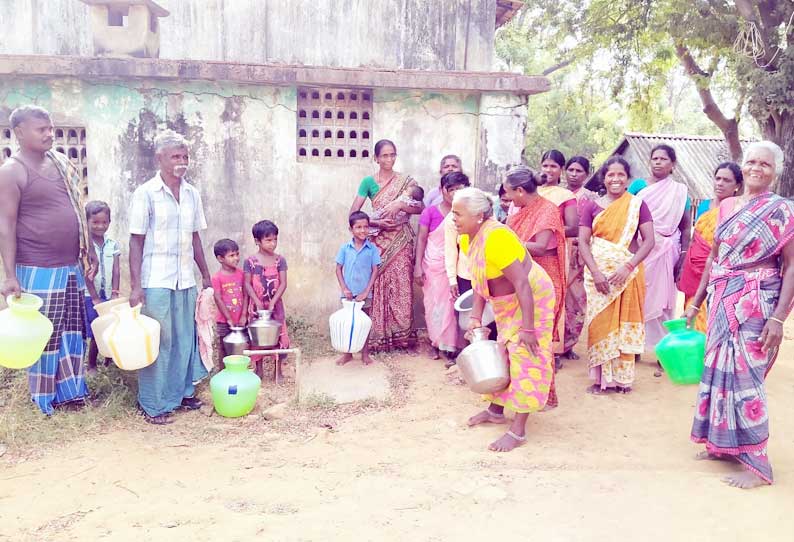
point(749, 278)
point(669, 205)
point(431, 274)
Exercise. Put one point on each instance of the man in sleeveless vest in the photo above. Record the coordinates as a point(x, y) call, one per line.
point(166, 216)
point(43, 244)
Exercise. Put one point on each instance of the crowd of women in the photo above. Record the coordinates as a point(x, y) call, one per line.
point(610, 258)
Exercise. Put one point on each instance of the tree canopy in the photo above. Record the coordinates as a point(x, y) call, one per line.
point(739, 55)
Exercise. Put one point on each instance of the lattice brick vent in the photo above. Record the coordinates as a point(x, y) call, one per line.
point(334, 124)
point(69, 140)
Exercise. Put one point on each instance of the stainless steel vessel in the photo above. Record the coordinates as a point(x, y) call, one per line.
point(463, 306)
point(484, 364)
point(235, 342)
point(264, 331)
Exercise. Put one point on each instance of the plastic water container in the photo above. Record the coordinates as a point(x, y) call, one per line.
point(350, 327)
point(24, 331)
point(103, 321)
point(133, 339)
point(682, 352)
point(235, 388)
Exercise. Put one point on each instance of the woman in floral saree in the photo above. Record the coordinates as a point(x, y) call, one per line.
point(576, 171)
point(522, 297)
point(614, 280)
point(392, 300)
point(727, 183)
point(749, 278)
point(539, 226)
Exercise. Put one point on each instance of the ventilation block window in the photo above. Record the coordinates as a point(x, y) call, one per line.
point(67, 140)
point(328, 112)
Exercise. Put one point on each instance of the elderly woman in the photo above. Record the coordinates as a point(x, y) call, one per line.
point(539, 226)
point(750, 283)
point(522, 297)
point(392, 301)
point(727, 183)
point(613, 252)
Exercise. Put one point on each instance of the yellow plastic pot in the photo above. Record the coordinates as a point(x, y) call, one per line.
point(24, 331)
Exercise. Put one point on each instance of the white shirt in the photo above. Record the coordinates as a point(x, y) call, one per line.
point(168, 226)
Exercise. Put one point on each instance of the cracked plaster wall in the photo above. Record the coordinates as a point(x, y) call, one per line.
point(243, 141)
point(409, 34)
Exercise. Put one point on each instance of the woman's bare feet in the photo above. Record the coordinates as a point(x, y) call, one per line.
point(706, 456)
point(595, 389)
point(744, 480)
point(344, 358)
point(486, 416)
point(436, 354)
point(366, 359)
point(508, 442)
point(570, 354)
point(623, 389)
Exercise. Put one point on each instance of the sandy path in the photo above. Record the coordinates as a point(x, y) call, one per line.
point(597, 468)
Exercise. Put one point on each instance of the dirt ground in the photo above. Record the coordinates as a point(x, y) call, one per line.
point(596, 468)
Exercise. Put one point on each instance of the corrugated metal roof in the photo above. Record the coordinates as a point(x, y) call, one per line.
point(696, 158)
point(506, 10)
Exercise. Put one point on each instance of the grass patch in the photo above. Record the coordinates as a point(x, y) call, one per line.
point(318, 401)
point(24, 428)
point(312, 341)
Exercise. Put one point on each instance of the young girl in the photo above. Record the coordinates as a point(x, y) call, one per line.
point(265, 283)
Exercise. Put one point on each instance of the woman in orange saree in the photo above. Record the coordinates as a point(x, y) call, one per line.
point(614, 279)
point(727, 183)
point(538, 225)
point(392, 300)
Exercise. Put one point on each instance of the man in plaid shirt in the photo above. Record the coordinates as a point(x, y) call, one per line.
point(165, 219)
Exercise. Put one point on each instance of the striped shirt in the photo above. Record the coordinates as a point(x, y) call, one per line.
point(168, 226)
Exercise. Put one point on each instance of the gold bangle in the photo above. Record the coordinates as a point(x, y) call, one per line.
point(779, 321)
point(691, 306)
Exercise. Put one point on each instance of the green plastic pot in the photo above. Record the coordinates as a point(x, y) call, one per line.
point(682, 352)
point(234, 389)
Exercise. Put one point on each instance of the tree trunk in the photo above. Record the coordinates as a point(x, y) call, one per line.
point(782, 133)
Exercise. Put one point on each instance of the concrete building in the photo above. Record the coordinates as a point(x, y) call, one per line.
point(281, 101)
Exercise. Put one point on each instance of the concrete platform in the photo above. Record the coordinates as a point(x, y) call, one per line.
point(351, 382)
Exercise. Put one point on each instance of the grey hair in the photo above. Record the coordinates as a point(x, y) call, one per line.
point(522, 177)
point(26, 112)
point(772, 147)
point(475, 200)
point(169, 139)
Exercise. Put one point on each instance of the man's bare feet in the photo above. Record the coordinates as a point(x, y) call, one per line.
point(344, 358)
point(486, 416)
point(744, 480)
point(509, 441)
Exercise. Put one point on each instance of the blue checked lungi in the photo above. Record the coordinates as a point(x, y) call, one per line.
point(173, 375)
point(58, 376)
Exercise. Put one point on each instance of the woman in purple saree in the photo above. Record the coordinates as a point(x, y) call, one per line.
point(749, 278)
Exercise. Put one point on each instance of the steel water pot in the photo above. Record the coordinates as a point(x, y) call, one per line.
point(236, 342)
point(264, 331)
point(484, 364)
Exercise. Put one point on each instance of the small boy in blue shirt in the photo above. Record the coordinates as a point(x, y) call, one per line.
point(356, 270)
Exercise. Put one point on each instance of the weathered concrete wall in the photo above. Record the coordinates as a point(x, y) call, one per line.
point(409, 34)
point(244, 157)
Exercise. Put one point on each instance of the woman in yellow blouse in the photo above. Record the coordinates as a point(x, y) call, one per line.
point(522, 297)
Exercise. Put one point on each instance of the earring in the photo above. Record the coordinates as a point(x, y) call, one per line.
point(479, 221)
